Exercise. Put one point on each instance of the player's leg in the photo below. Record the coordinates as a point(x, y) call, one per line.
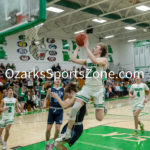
point(1, 131)
point(60, 146)
point(136, 120)
point(57, 131)
point(99, 114)
point(48, 134)
point(7, 129)
point(58, 120)
point(22, 107)
point(99, 104)
point(49, 127)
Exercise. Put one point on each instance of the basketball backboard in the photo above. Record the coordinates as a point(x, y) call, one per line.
point(18, 15)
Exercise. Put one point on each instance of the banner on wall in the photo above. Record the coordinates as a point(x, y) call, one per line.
point(74, 45)
point(66, 56)
point(142, 53)
point(65, 45)
point(2, 53)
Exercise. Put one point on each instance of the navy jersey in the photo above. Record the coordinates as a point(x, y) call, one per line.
point(81, 113)
point(60, 92)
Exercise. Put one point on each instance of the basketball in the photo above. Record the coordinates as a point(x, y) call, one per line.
point(80, 39)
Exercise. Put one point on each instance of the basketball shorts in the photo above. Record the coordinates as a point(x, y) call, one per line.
point(97, 93)
point(55, 115)
point(138, 106)
point(22, 100)
point(75, 133)
point(4, 122)
point(43, 97)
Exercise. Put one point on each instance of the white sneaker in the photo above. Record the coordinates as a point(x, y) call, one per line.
point(63, 138)
point(4, 146)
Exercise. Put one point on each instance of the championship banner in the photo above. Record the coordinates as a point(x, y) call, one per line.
point(65, 45)
point(66, 56)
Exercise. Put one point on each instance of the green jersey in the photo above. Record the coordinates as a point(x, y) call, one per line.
point(10, 104)
point(139, 92)
point(95, 74)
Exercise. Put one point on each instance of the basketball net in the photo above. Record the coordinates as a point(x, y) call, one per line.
point(32, 33)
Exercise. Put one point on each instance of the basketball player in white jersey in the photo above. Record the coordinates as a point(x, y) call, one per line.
point(137, 92)
point(93, 87)
point(7, 107)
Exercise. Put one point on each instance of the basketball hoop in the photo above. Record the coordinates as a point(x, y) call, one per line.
point(32, 34)
point(20, 18)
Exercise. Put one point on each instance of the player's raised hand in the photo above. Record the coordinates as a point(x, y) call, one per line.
point(54, 95)
point(86, 43)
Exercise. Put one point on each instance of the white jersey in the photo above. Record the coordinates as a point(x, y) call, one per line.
point(10, 104)
point(139, 92)
point(94, 74)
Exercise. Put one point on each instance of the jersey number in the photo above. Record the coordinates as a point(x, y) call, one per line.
point(92, 72)
point(138, 94)
point(10, 110)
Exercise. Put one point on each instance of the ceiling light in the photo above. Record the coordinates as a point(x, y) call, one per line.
point(132, 40)
point(130, 28)
point(78, 31)
point(54, 9)
point(99, 20)
point(108, 37)
point(143, 8)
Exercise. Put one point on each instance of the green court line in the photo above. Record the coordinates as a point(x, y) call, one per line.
point(105, 138)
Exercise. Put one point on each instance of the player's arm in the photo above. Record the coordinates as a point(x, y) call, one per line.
point(17, 108)
point(74, 57)
point(47, 97)
point(2, 106)
point(131, 92)
point(64, 104)
point(147, 90)
point(100, 61)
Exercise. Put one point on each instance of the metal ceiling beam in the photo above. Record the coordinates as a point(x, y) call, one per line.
point(116, 21)
point(75, 11)
point(82, 21)
point(135, 35)
point(53, 2)
point(124, 26)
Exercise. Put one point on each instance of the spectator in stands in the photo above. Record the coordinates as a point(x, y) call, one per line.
point(13, 67)
point(54, 69)
point(8, 66)
point(117, 89)
point(2, 66)
point(111, 94)
point(58, 68)
point(30, 83)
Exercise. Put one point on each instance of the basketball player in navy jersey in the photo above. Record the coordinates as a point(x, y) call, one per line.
point(77, 129)
point(55, 111)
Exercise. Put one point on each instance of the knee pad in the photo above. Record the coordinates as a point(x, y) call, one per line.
point(74, 110)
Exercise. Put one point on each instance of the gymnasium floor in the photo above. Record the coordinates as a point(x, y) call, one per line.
point(113, 133)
